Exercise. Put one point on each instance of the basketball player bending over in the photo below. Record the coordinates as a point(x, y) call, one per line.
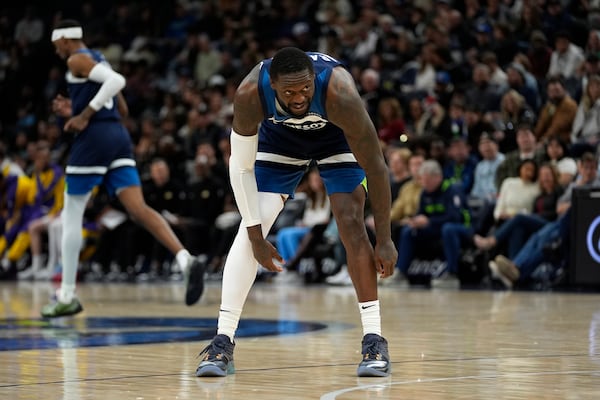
point(309, 112)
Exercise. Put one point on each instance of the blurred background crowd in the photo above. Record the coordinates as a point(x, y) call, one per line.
point(475, 86)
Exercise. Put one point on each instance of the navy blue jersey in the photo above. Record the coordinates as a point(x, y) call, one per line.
point(287, 144)
point(105, 144)
point(83, 90)
point(311, 136)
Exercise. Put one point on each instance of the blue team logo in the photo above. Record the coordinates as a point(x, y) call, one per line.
point(26, 334)
point(592, 240)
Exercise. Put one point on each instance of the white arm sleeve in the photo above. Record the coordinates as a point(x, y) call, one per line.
point(243, 180)
point(112, 83)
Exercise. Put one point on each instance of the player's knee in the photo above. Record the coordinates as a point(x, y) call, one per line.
point(351, 226)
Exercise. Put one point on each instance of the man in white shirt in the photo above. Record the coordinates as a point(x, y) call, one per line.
point(567, 58)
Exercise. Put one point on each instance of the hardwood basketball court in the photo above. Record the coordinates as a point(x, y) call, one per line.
point(444, 344)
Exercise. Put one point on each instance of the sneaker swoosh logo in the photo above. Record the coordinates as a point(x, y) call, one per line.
point(224, 311)
point(365, 307)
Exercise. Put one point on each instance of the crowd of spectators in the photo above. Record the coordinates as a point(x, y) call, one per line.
point(476, 86)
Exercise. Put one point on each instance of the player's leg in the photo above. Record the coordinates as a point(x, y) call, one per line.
point(54, 247)
point(239, 274)
point(348, 210)
point(126, 184)
point(133, 200)
point(347, 204)
point(36, 228)
point(76, 198)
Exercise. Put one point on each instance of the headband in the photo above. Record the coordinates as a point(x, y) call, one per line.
point(74, 32)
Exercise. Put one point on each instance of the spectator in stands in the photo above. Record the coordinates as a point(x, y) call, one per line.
point(526, 149)
point(517, 229)
point(504, 45)
point(482, 199)
point(528, 22)
point(484, 186)
point(476, 124)
point(557, 115)
point(436, 119)
point(555, 20)
point(483, 35)
point(415, 124)
point(457, 114)
point(370, 85)
point(517, 193)
point(207, 62)
point(585, 133)
point(482, 92)
point(517, 81)
point(197, 129)
point(557, 154)
point(590, 67)
point(397, 160)
point(459, 168)
point(29, 29)
point(566, 59)
point(424, 81)
point(406, 204)
point(497, 76)
point(390, 123)
point(444, 89)
point(539, 55)
point(592, 45)
point(514, 111)
point(440, 203)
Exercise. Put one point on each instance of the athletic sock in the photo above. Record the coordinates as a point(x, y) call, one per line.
point(72, 240)
point(183, 258)
point(36, 262)
point(66, 293)
point(228, 322)
point(369, 315)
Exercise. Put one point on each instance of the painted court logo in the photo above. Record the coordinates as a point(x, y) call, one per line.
point(26, 334)
point(592, 240)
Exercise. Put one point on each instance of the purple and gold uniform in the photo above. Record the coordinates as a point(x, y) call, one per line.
point(15, 240)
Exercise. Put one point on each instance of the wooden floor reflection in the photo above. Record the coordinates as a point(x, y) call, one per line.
point(444, 345)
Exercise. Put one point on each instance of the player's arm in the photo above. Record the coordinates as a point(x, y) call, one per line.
point(346, 110)
point(83, 66)
point(247, 114)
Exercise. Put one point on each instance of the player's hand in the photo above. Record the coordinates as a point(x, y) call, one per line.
point(76, 124)
point(266, 254)
point(61, 106)
point(385, 258)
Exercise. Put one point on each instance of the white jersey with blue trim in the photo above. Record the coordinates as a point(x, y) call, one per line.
point(82, 91)
point(309, 137)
